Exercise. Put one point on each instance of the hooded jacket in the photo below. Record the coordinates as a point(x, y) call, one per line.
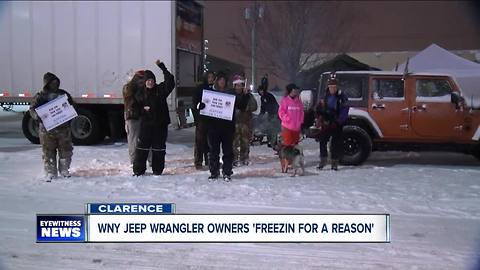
point(291, 113)
point(245, 116)
point(333, 108)
point(46, 95)
point(156, 99)
point(132, 108)
point(269, 104)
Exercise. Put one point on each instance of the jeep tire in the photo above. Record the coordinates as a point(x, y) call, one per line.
point(357, 145)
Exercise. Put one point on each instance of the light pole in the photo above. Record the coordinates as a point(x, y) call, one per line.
point(254, 13)
point(205, 49)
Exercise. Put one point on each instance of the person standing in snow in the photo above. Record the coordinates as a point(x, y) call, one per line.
point(331, 113)
point(200, 150)
point(58, 139)
point(154, 119)
point(243, 123)
point(132, 111)
point(268, 117)
point(291, 114)
point(220, 134)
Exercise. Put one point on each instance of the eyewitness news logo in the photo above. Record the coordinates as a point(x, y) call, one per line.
point(61, 228)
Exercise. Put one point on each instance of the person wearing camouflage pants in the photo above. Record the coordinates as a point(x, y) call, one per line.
point(241, 144)
point(243, 124)
point(55, 140)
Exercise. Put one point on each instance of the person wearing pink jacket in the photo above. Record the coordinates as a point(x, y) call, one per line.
point(291, 114)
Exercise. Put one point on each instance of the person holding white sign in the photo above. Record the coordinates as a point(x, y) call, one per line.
point(220, 126)
point(58, 139)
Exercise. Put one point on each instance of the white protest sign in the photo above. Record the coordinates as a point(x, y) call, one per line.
point(218, 105)
point(56, 112)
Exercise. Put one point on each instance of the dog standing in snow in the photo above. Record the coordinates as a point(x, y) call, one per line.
point(292, 155)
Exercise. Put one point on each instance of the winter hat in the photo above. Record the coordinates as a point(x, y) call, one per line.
point(291, 86)
point(332, 80)
point(140, 72)
point(48, 77)
point(237, 79)
point(149, 75)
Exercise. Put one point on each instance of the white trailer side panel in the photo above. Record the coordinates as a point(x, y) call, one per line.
point(21, 38)
point(94, 47)
point(158, 38)
point(6, 82)
point(64, 45)
point(42, 49)
point(86, 53)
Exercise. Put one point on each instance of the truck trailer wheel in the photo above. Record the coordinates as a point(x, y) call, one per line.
point(86, 128)
point(357, 145)
point(30, 128)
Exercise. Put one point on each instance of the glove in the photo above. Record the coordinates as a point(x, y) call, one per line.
point(161, 65)
point(201, 106)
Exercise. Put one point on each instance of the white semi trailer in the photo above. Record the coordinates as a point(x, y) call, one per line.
point(94, 47)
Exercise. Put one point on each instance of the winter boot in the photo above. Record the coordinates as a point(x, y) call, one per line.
point(50, 166)
point(63, 167)
point(227, 177)
point(213, 177)
point(335, 164)
point(323, 162)
point(50, 176)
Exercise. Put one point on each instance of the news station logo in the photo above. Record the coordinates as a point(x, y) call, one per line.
point(61, 228)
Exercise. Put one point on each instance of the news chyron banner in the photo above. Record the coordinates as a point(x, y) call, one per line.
point(158, 222)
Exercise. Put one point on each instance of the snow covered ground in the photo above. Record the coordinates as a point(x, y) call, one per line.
point(433, 199)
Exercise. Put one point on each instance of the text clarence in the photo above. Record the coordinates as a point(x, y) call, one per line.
point(133, 208)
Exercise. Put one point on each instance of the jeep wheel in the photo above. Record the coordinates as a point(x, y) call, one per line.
point(357, 145)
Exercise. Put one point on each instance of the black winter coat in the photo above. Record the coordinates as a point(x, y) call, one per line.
point(196, 99)
point(156, 99)
point(268, 104)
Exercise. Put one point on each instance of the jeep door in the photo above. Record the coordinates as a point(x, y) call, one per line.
point(388, 106)
point(433, 115)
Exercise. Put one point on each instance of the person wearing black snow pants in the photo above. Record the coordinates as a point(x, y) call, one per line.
point(331, 113)
point(336, 149)
point(223, 137)
point(220, 133)
point(154, 121)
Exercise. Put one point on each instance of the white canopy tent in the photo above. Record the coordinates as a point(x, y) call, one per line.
point(435, 59)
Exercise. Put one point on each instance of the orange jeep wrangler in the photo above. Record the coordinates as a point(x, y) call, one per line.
point(413, 112)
